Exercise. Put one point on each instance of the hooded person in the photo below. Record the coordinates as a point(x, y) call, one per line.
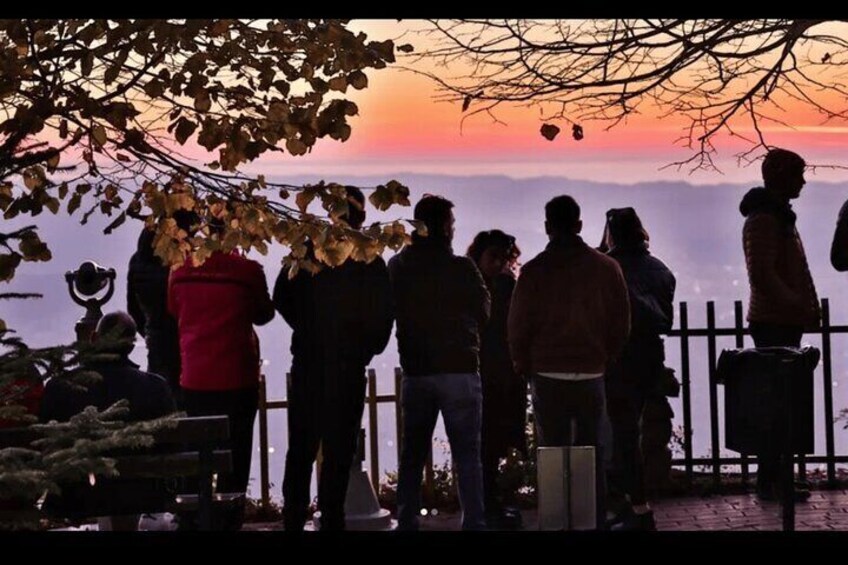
point(783, 301)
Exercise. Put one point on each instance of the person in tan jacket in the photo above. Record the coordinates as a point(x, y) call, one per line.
point(569, 318)
point(783, 301)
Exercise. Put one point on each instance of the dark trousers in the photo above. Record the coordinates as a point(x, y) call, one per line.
point(325, 408)
point(240, 406)
point(625, 402)
point(490, 461)
point(772, 335)
point(560, 405)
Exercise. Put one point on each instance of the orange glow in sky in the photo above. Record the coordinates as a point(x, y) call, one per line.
point(401, 127)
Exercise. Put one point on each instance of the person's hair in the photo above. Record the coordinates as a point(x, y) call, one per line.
point(778, 163)
point(493, 238)
point(118, 329)
point(625, 227)
point(355, 216)
point(562, 214)
point(187, 220)
point(435, 212)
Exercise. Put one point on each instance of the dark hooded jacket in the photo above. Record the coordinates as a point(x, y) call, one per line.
point(782, 289)
point(650, 288)
point(147, 303)
point(504, 392)
point(441, 305)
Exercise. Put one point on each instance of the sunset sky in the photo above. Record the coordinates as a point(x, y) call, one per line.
point(401, 127)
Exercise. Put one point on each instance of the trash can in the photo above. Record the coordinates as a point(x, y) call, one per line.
point(761, 386)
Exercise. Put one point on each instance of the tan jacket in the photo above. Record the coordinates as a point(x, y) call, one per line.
point(782, 289)
point(570, 312)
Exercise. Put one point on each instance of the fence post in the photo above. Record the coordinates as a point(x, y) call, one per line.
point(828, 392)
point(687, 394)
point(740, 344)
point(711, 360)
point(372, 429)
point(264, 481)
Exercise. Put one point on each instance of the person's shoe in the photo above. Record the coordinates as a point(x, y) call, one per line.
point(802, 486)
point(800, 495)
point(775, 494)
point(625, 513)
point(637, 523)
point(766, 493)
point(504, 519)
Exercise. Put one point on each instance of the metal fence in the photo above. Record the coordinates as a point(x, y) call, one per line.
point(685, 334)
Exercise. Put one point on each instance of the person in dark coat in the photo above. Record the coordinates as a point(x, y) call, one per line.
point(504, 393)
point(783, 300)
point(441, 304)
point(148, 395)
point(636, 375)
point(568, 321)
point(147, 303)
point(342, 317)
point(839, 247)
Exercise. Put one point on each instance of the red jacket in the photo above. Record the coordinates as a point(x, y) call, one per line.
point(215, 306)
point(23, 392)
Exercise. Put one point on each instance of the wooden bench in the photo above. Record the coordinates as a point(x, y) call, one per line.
point(151, 480)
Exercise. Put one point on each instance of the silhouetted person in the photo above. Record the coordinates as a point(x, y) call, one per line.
point(839, 247)
point(441, 305)
point(216, 306)
point(341, 317)
point(568, 321)
point(148, 395)
point(147, 303)
point(504, 393)
point(636, 375)
point(783, 300)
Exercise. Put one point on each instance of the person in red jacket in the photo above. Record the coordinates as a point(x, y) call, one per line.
point(216, 306)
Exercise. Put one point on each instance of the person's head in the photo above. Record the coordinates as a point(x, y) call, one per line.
point(494, 252)
point(116, 331)
point(145, 242)
point(187, 220)
point(562, 217)
point(437, 214)
point(355, 216)
point(624, 228)
point(783, 173)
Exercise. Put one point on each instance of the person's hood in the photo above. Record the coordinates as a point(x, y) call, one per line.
point(759, 200)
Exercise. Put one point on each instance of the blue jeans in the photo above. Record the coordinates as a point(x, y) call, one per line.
point(459, 396)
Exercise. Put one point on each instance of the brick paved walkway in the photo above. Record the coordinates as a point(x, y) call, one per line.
point(824, 511)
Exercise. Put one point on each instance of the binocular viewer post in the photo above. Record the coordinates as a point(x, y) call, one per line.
point(85, 285)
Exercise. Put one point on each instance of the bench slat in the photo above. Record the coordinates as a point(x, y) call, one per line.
point(185, 464)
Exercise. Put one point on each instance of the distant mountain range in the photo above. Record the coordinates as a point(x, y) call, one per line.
point(696, 230)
